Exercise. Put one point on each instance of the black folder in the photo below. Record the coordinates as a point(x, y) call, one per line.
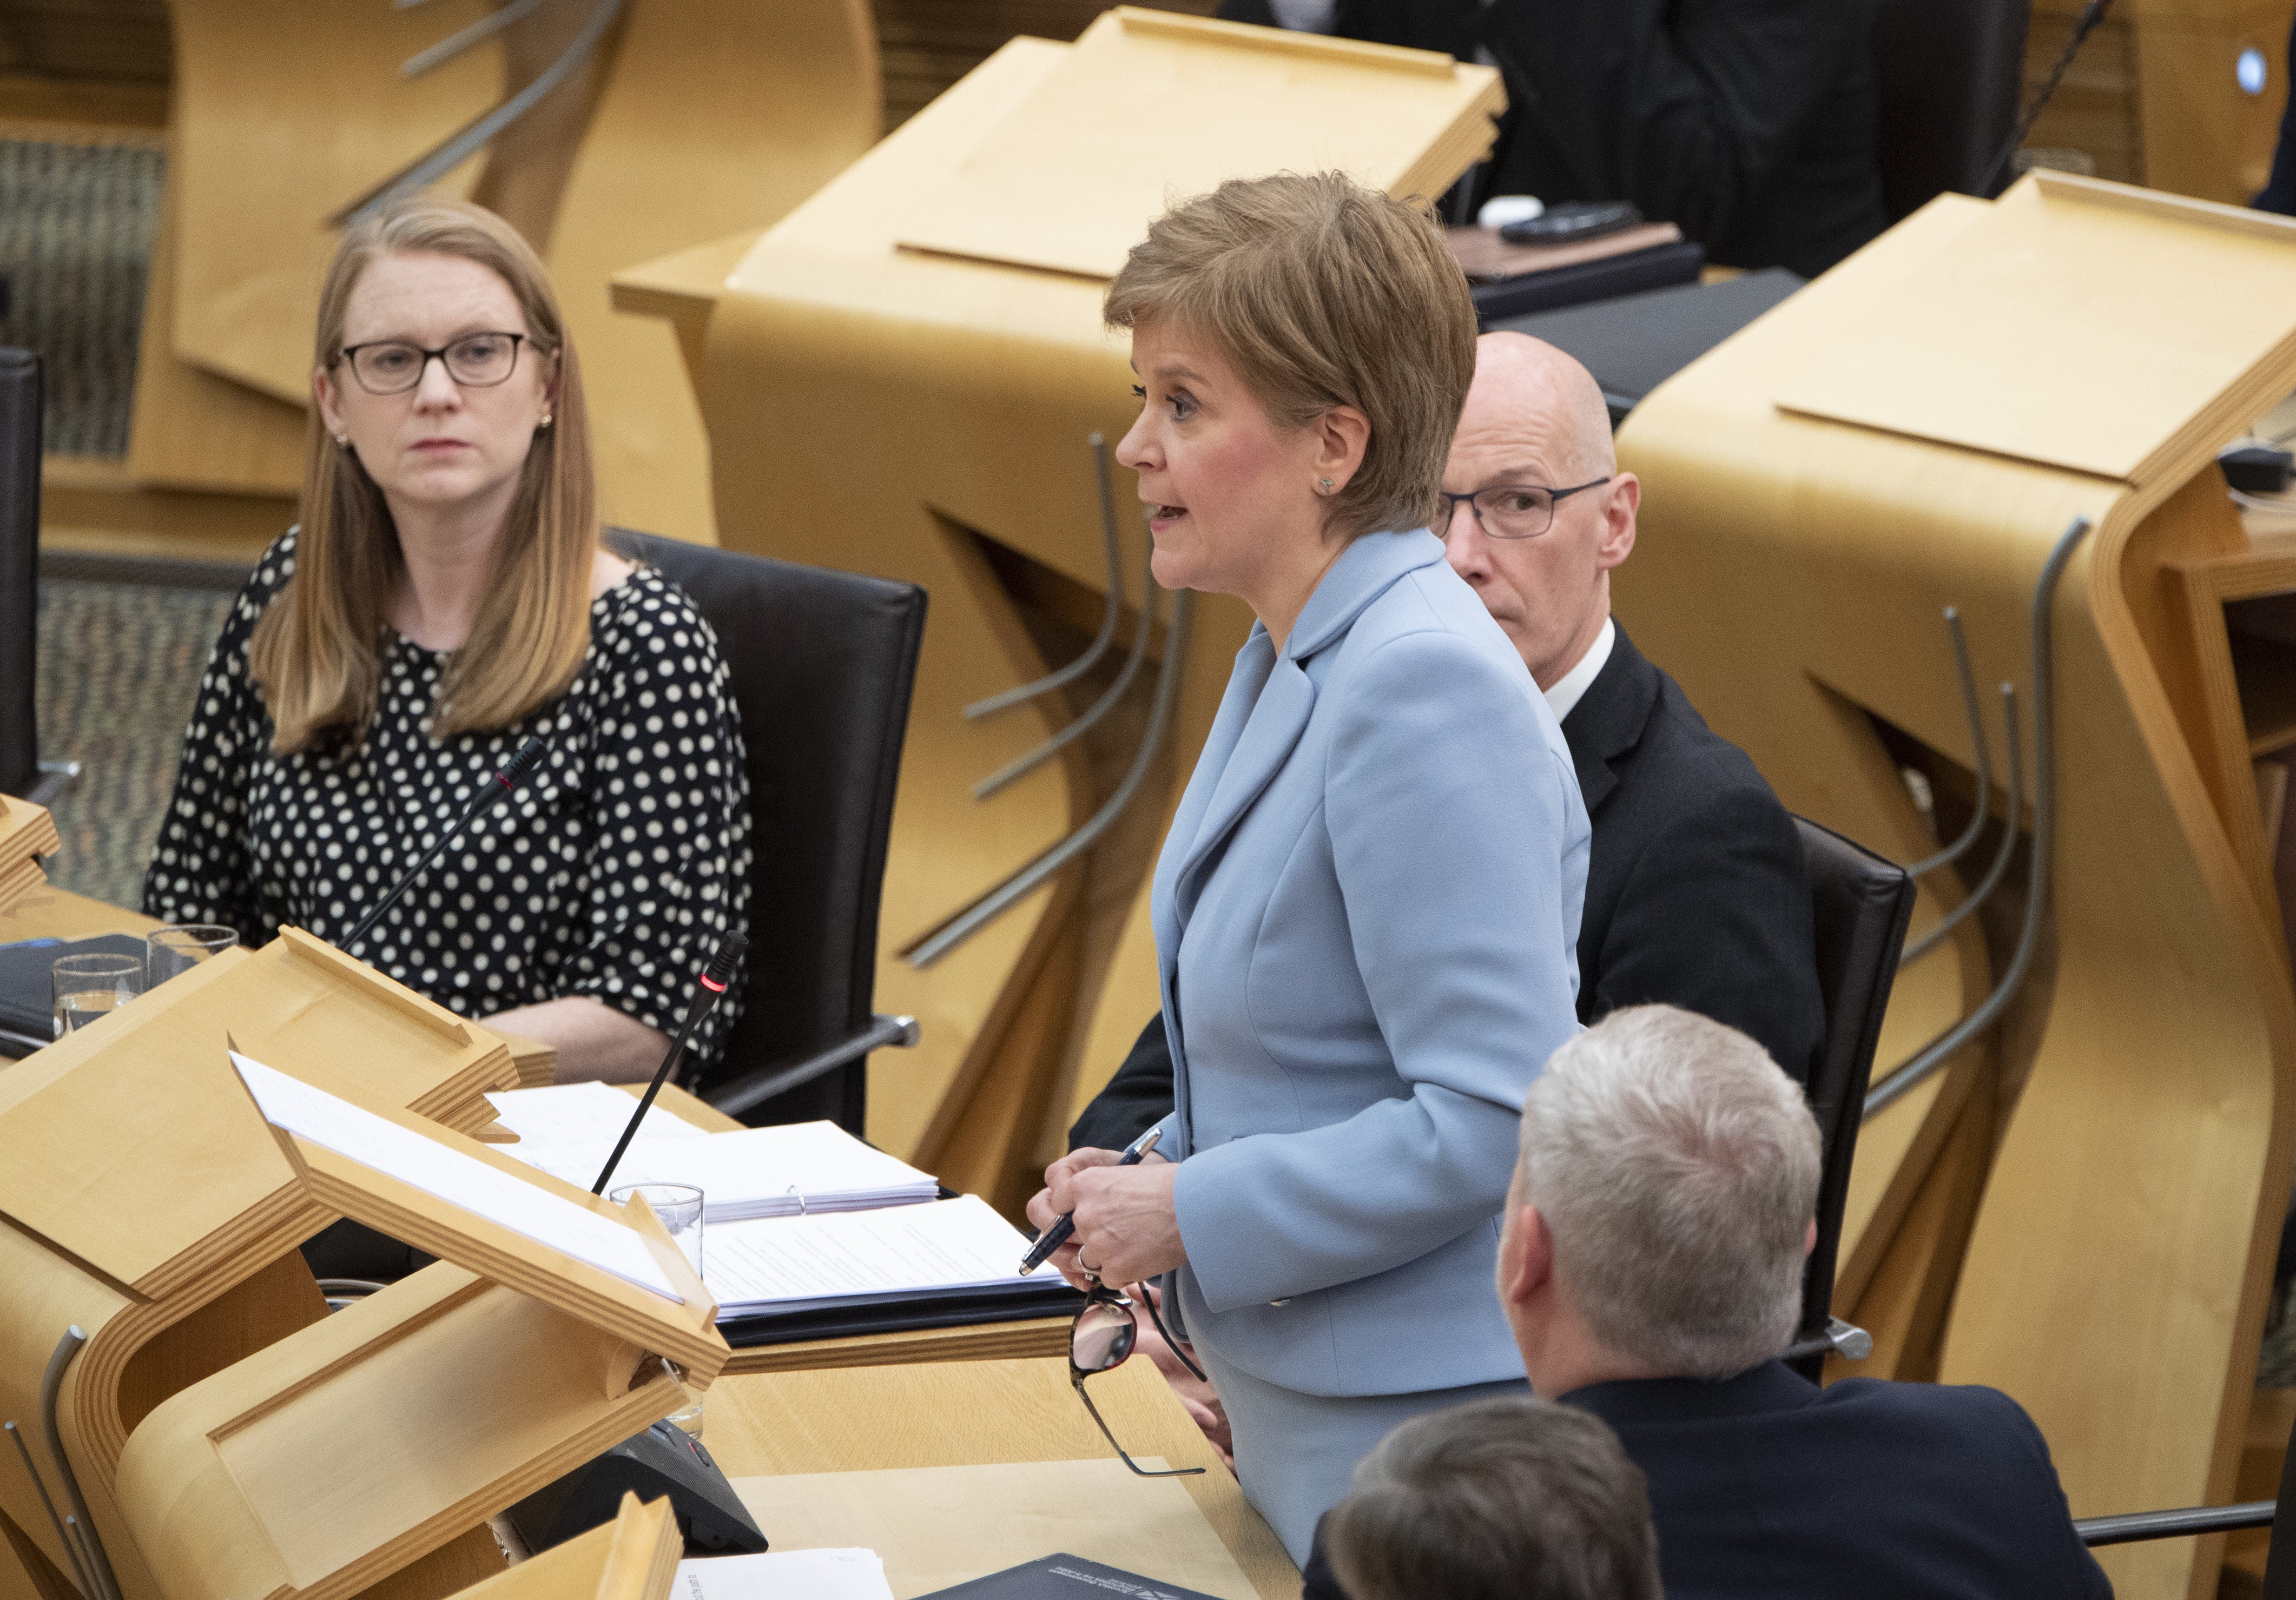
point(902, 1314)
point(28, 999)
point(1065, 1577)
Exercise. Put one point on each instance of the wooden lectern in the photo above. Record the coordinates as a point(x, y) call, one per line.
point(2012, 409)
point(633, 1557)
point(227, 1437)
point(900, 378)
point(27, 833)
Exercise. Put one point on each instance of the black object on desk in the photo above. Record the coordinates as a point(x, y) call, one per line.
point(660, 1461)
point(903, 1313)
point(28, 998)
point(1634, 343)
point(1064, 1578)
point(1603, 279)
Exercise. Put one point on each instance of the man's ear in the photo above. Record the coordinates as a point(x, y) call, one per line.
point(1525, 1257)
point(1809, 1238)
point(1617, 541)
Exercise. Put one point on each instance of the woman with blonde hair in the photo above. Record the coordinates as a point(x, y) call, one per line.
point(1367, 907)
point(445, 598)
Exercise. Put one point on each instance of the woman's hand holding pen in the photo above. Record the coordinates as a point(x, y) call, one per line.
point(1126, 1227)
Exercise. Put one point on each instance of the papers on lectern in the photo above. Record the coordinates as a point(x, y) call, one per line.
point(789, 1264)
point(440, 1169)
point(783, 1575)
point(800, 1169)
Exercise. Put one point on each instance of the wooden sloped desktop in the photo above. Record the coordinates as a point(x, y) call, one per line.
point(633, 1557)
point(2081, 1209)
point(923, 415)
point(693, 119)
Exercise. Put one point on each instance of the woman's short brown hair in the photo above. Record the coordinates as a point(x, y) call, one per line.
point(1322, 292)
point(316, 651)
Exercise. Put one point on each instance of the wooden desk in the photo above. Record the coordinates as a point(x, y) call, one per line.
point(955, 1413)
point(53, 913)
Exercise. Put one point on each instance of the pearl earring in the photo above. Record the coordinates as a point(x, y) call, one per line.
point(545, 418)
point(344, 440)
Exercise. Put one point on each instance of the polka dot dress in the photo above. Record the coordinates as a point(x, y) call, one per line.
point(612, 872)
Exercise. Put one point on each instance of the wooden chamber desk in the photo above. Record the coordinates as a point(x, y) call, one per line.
point(53, 913)
point(957, 1414)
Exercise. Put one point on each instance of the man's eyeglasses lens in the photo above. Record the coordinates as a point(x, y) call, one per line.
point(474, 361)
point(1513, 513)
point(1104, 1334)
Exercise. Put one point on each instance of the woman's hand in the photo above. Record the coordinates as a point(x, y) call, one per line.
point(1125, 1225)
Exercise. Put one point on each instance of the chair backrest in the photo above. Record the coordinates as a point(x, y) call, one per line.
point(822, 665)
point(20, 568)
point(1947, 74)
point(1860, 905)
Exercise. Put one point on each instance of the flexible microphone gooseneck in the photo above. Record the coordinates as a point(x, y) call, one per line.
point(723, 965)
point(521, 767)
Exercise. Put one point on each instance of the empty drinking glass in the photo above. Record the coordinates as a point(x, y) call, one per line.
point(181, 946)
point(87, 987)
point(679, 1207)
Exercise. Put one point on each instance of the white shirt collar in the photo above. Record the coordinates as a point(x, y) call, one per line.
point(1572, 685)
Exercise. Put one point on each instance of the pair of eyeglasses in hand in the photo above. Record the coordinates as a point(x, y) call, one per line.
point(1104, 1335)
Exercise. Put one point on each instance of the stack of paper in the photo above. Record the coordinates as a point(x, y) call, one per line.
point(803, 1169)
point(583, 1113)
point(783, 1575)
point(788, 1265)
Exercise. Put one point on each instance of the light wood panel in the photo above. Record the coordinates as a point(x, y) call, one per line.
point(959, 1414)
point(633, 1557)
point(2115, 1275)
point(27, 833)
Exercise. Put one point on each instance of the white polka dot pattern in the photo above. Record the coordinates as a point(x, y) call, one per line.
point(612, 872)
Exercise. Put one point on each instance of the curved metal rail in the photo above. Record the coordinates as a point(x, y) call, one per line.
point(458, 147)
point(1029, 761)
point(937, 941)
point(1110, 614)
point(1934, 1054)
point(1960, 846)
point(1994, 874)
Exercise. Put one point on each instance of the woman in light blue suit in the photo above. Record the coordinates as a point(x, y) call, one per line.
point(1367, 907)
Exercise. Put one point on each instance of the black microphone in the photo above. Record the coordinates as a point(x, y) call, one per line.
point(723, 965)
point(520, 769)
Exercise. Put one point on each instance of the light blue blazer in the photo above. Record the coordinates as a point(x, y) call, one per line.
point(1367, 920)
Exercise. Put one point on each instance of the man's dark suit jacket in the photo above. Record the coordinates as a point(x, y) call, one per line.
point(1696, 894)
point(1767, 1486)
point(1750, 124)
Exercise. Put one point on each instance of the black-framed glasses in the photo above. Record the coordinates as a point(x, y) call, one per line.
point(1518, 511)
point(1099, 1340)
point(393, 367)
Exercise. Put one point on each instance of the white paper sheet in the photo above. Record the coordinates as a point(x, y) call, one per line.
point(783, 1575)
point(576, 1113)
point(788, 1263)
point(798, 1169)
point(454, 1176)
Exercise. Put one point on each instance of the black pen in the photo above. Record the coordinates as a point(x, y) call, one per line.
point(1056, 1235)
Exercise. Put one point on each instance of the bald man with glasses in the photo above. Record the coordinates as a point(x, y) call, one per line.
point(1696, 894)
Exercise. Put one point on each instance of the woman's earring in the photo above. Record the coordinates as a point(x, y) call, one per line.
point(1324, 485)
point(545, 418)
point(344, 440)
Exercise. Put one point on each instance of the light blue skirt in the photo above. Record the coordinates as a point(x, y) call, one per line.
point(1295, 1453)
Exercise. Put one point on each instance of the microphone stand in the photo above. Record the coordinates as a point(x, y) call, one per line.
point(520, 769)
point(723, 965)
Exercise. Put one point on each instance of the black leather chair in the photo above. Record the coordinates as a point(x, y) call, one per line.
point(822, 663)
point(20, 559)
point(1861, 905)
point(1949, 75)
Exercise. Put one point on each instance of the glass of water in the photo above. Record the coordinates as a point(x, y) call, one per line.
point(87, 987)
point(679, 1208)
point(180, 947)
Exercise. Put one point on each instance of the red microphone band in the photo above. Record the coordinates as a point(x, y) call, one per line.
point(712, 985)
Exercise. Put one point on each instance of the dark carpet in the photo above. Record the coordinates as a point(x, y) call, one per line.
point(119, 667)
point(75, 227)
